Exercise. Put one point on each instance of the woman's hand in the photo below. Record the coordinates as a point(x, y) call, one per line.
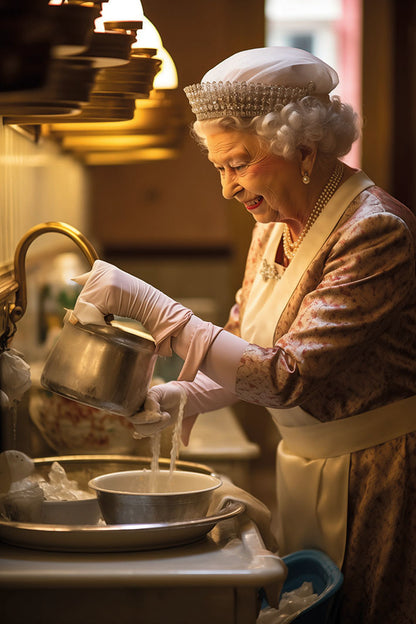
point(109, 290)
point(162, 409)
point(164, 402)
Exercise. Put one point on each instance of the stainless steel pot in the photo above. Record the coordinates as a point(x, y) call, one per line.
point(106, 366)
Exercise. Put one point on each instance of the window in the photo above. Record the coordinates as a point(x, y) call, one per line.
point(330, 29)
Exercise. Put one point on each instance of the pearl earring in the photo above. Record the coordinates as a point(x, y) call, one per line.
point(305, 178)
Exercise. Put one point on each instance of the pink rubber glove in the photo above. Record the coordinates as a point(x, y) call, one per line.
point(164, 400)
point(160, 409)
point(219, 361)
point(112, 291)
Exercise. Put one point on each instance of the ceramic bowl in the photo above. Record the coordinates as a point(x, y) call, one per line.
point(70, 427)
point(79, 512)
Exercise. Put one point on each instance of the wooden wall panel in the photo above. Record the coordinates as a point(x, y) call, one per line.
point(178, 203)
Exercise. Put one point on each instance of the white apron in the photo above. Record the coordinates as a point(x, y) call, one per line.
point(313, 458)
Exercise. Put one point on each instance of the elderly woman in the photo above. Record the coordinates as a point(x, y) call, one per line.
point(323, 332)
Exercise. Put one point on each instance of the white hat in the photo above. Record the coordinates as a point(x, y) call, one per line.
point(255, 82)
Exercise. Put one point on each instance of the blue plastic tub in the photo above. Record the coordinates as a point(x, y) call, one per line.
point(316, 567)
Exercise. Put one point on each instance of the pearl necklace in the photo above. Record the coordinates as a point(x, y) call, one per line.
point(290, 247)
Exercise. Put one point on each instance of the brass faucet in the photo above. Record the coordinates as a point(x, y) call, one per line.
point(17, 309)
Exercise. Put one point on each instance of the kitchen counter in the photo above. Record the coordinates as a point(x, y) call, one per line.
point(214, 579)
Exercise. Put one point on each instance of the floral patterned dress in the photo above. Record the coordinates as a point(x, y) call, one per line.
point(345, 344)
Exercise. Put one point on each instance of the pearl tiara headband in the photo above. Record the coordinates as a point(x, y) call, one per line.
point(258, 81)
point(210, 100)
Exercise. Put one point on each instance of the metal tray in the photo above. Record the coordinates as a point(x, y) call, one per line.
point(112, 538)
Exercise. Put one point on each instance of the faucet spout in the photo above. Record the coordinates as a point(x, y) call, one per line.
point(18, 308)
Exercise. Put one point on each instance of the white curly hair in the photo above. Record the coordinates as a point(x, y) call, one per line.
point(332, 126)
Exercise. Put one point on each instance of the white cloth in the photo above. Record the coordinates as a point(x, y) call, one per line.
point(14, 466)
point(347, 435)
point(275, 65)
point(321, 452)
point(255, 509)
point(312, 494)
point(14, 376)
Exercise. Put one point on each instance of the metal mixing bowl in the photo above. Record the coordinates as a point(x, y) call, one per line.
point(143, 496)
